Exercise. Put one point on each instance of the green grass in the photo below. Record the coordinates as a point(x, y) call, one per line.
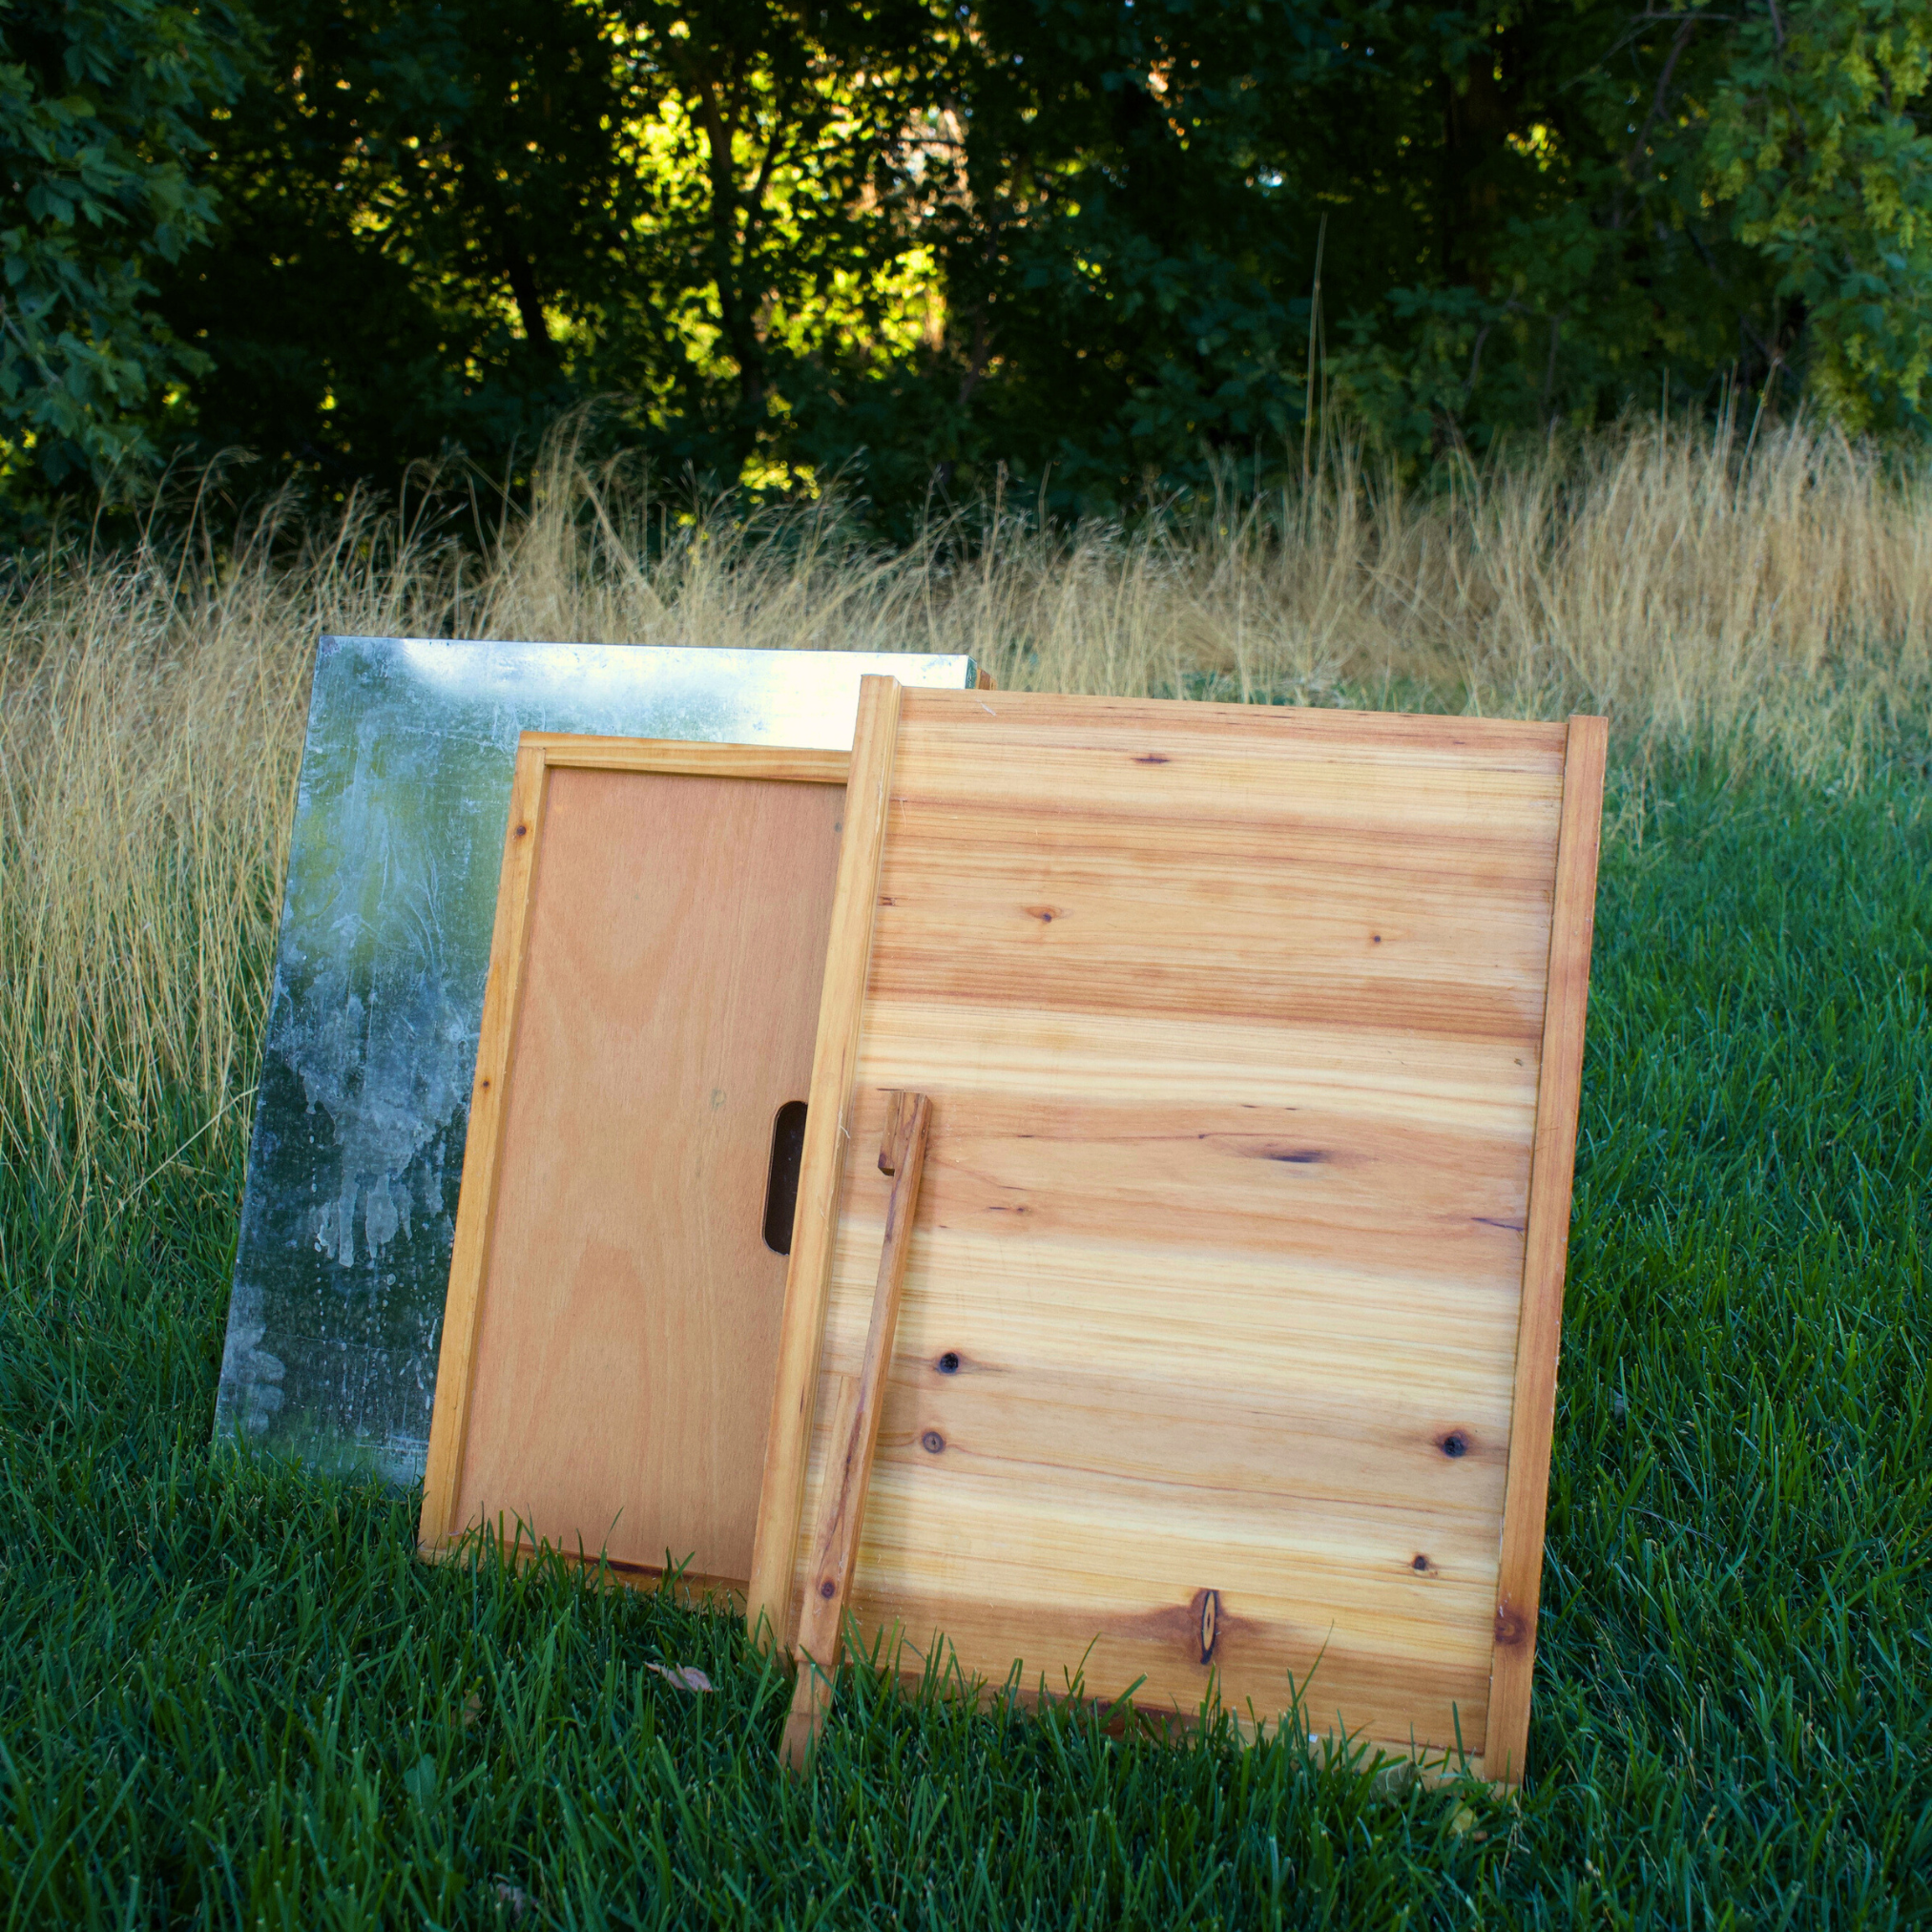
point(230, 1695)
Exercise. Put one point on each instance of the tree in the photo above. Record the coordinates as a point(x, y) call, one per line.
point(1606, 205)
point(450, 218)
point(103, 113)
point(924, 243)
point(1811, 144)
point(423, 208)
point(1124, 243)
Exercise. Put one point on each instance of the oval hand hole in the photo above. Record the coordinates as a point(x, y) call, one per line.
point(781, 1187)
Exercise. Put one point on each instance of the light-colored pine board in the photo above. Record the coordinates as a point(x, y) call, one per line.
point(1234, 1019)
point(847, 957)
point(613, 1318)
point(1552, 1170)
point(679, 757)
point(854, 1438)
point(449, 1419)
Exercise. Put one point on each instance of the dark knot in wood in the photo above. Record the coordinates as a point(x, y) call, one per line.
point(1208, 1613)
point(1514, 1625)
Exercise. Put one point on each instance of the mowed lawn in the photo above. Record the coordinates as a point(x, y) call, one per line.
point(229, 1695)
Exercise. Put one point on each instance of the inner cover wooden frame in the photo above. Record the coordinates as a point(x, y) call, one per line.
point(1227, 1357)
point(713, 916)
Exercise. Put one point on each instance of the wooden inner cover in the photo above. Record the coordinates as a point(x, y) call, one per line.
point(1232, 1022)
point(629, 1309)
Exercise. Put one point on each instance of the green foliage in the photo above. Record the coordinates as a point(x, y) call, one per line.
point(1644, 205)
point(452, 219)
point(102, 129)
point(1081, 250)
point(783, 257)
point(417, 197)
point(1813, 148)
point(229, 1694)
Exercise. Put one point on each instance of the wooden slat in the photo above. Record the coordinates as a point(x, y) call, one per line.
point(847, 958)
point(449, 1419)
point(1382, 943)
point(677, 758)
point(842, 1496)
point(1552, 1170)
point(1236, 1020)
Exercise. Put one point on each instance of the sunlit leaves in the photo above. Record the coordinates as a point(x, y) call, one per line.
point(1814, 152)
point(1062, 246)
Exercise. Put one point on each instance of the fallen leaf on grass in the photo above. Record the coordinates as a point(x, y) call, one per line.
point(1395, 1781)
point(1463, 1818)
point(513, 1896)
point(686, 1677)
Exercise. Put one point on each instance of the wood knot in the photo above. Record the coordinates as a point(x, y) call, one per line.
point(523, 831)
point(1454, 1445)
point(1512, 1626)
point(932, 1441)
point(828, 1589)
point(1208, 1613)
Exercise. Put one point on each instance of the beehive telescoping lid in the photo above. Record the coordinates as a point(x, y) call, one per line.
point(349, 1212)
point(1228, 1346)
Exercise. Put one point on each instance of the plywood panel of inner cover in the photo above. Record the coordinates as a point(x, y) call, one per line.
point(628, 1317)
point(1232, 1020)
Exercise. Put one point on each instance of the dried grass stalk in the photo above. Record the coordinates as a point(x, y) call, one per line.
point(1769, 607)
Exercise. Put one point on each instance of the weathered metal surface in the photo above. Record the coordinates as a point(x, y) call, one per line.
point(357, 1155)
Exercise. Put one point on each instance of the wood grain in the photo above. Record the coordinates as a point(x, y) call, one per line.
point(1234, 1019)
point(847, 957)
point(679, 757)
point(854, 1437)
point(1552, 1170)
point(614, 1313)
point(449, 1417)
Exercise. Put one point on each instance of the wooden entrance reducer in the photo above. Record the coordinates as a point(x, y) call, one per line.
point(1227, 1352)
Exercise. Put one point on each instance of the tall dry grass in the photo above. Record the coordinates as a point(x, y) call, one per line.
point(1766, 605)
